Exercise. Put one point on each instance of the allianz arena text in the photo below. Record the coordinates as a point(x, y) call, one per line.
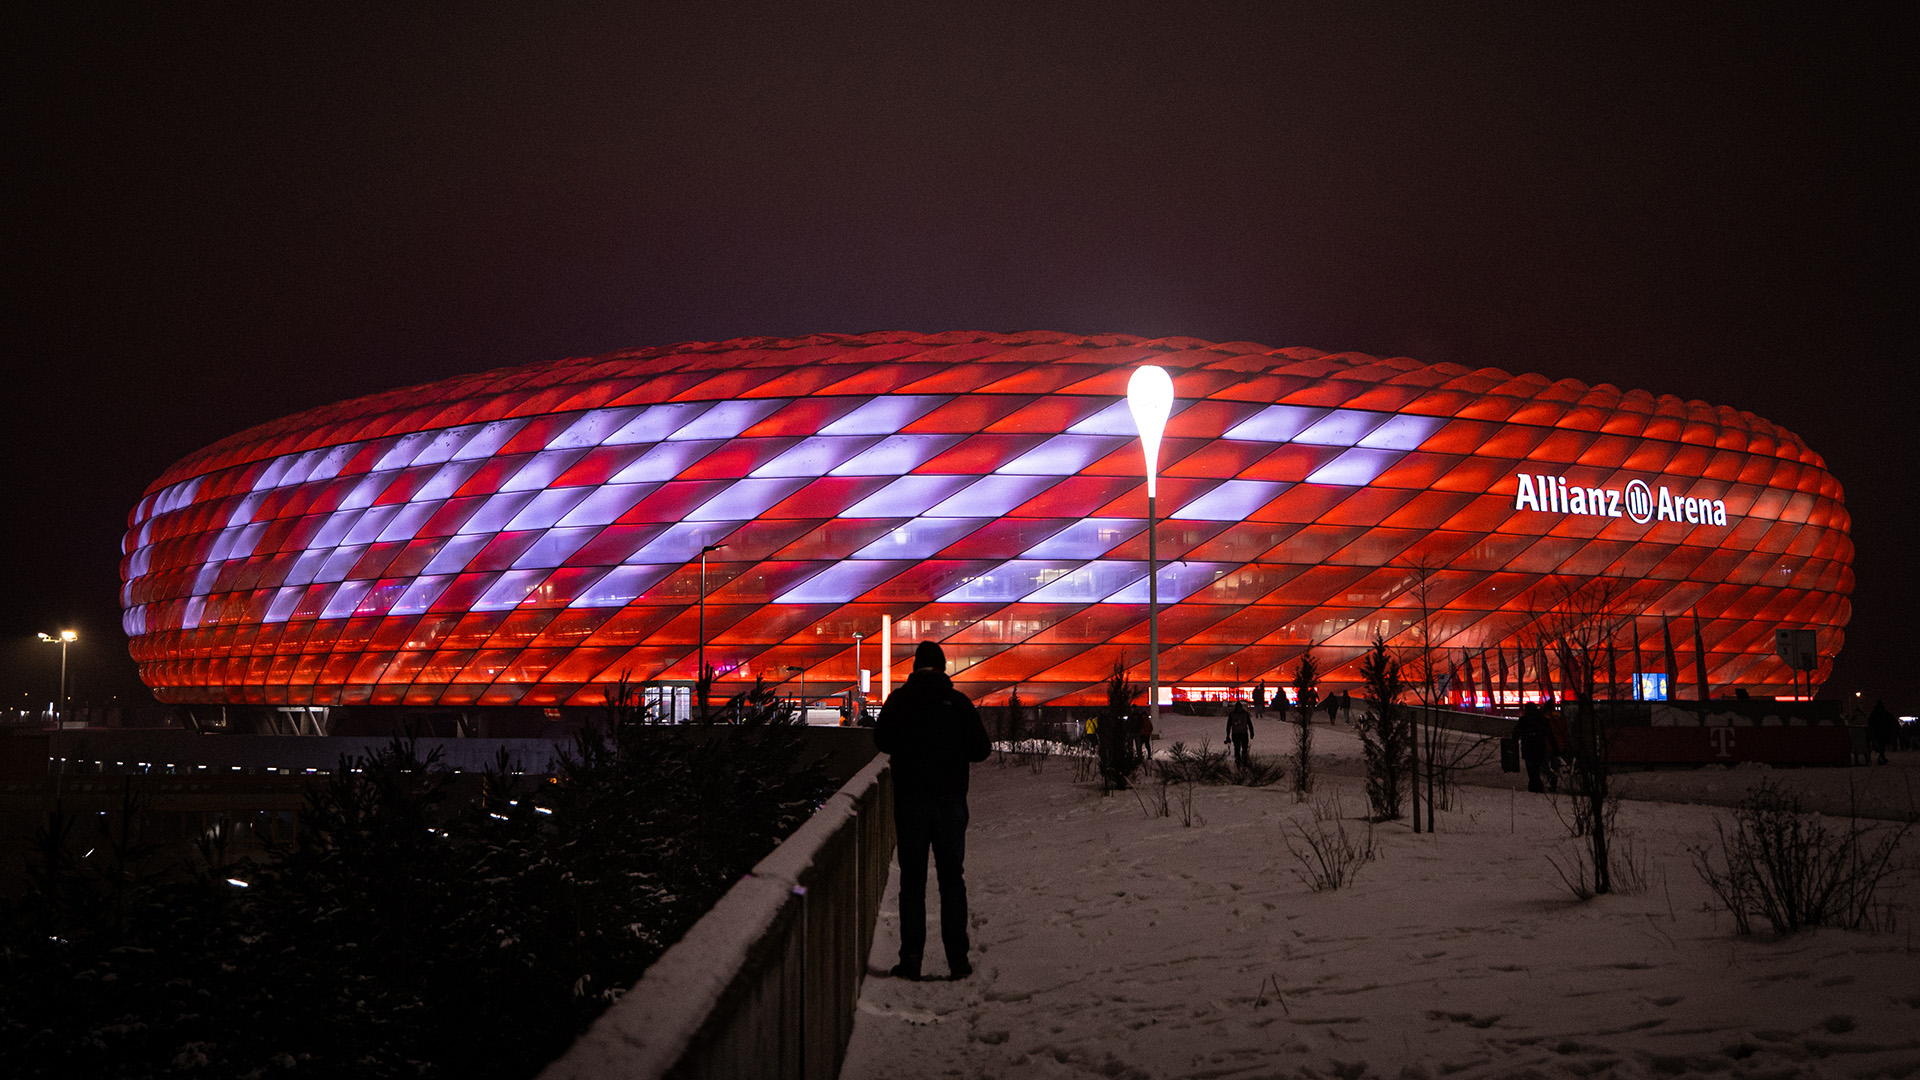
point(532, 535)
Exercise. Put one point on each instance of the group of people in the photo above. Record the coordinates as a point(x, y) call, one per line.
point(1138, 731)
point(1310, 702)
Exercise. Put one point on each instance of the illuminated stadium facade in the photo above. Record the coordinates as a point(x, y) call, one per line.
point(531, 535)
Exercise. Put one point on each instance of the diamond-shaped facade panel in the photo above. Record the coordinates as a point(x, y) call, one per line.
point(531, 535)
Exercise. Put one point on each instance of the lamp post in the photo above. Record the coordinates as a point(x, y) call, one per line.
point(856, 679)
point(700, 676)
point(1150, 400)
point(65, 638)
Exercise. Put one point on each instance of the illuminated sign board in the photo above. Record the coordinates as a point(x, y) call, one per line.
point(1650, 686)
point(1636, 502)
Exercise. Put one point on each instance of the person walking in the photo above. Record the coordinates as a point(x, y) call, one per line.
point(933, 733)
point(1260, 698)
point(1882, 729)
point(1240, 733)
point(1537, 746)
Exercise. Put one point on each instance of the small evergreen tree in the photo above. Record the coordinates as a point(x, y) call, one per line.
point(1304, 678)
point(1118, 756)
point(1384, 732)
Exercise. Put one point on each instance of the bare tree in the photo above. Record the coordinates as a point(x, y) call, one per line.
point(1579, 625)
point(1437, 752)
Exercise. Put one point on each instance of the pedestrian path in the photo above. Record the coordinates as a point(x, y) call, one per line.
point(1110, 941)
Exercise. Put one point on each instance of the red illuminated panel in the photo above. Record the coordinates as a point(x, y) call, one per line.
point(530, 536)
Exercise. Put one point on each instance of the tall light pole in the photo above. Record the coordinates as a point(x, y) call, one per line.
point(699, 679)
point(862, 710)
point(65, 638)
point(1150, 400)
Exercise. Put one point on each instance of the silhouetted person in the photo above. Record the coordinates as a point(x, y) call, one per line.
point(1240, 733)
point(1346, 706)
point(1260, 698)
point(1882, 728)
point(933, 733)
point(1537, 745)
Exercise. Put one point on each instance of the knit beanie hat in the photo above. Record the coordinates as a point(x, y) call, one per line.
point(929, 655)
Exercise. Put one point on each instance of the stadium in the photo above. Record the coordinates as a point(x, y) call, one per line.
point(534, 535)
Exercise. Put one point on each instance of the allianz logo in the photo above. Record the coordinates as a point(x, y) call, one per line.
point(1636, 502)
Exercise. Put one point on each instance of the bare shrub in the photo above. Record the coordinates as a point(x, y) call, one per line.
point(1626, 859)
point(1788, 866)
point(1328, 852)
point(1035, 753)
point(1187, 815)
point(1153, 800)
point(1203, 766)
point(1259, 772)
point(1206, 765)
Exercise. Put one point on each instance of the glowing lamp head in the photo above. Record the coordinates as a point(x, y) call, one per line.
point(1150, 399)
point(68, 635)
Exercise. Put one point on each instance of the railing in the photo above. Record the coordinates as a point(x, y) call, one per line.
point(765, 984)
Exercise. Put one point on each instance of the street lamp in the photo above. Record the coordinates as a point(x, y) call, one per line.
point(802, 672)
point(700, 677)
point(65, 638)
point(1150, 400)
point(856, 678)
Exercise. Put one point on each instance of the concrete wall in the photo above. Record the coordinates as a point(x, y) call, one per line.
point(766, 984)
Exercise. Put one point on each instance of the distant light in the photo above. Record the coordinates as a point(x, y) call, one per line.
point(501, 817)
point(236, 882)
point(544, 810)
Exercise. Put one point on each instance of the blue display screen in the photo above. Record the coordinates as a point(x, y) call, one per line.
point(1650, 686)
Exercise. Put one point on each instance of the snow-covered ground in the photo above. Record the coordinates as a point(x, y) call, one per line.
point(1108, 942)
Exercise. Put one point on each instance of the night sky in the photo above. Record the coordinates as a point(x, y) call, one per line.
point(218, 215)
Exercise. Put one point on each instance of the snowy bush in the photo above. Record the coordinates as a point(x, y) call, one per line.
point(1790, 867)
point(1328, 853)
point(1181, 765)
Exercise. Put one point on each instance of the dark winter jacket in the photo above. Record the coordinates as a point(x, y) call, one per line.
point(1882, 725)
point(1535, 735)
point(933, 733)
point(1239, 724)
